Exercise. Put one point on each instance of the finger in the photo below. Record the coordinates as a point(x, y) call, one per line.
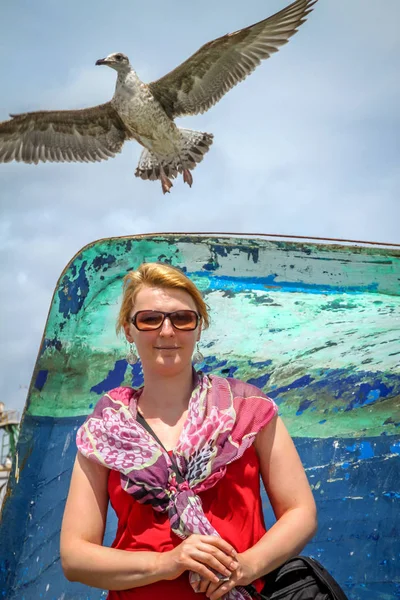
point(217, 541)
point(220, 590)
point(205, 585)
point(206, 558)
point(228, 561)
point(208, 586)
point(202, 570)
point(202, 586)
point(211, 588)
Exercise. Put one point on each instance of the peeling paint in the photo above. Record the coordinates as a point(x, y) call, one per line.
point(16, 473)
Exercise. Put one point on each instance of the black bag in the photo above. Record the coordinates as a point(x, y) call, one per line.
point(300, 578)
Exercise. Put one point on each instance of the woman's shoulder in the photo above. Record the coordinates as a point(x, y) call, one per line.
point(239, 387)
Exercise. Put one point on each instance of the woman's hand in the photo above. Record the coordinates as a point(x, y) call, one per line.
point(243, 575)
point(200, 554)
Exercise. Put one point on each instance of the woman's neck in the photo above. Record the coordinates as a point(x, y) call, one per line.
point(166, 398)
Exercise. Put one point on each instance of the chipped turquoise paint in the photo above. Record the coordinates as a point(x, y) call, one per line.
point(261, 283)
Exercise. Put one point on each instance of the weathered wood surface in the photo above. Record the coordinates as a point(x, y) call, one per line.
point(316, 326)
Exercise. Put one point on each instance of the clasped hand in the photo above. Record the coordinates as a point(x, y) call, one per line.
point(200, 554)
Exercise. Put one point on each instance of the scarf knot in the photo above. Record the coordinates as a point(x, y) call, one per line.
point(174, 486)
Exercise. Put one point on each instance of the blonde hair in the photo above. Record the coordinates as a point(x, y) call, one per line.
point(158, 275)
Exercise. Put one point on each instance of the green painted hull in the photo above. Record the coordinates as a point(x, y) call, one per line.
point(309, 310)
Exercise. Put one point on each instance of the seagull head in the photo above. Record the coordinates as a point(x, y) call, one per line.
point(117, 61)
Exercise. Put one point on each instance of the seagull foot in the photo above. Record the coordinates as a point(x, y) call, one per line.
point(187, 177)
point(166, 184)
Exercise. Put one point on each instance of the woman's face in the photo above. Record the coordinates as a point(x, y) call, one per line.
point(166, 350)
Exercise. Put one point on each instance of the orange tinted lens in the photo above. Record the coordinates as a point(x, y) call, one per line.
point(184, 319)
point(148, 319)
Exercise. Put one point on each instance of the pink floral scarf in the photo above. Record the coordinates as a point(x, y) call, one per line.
point(223, 420)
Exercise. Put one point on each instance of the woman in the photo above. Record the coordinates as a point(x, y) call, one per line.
point(188, 501)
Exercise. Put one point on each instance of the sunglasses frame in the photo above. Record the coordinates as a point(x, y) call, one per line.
point(166, 315)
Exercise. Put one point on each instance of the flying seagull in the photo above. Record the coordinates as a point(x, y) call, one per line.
point(146, 112)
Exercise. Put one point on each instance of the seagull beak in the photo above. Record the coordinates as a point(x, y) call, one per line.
point(101, 61)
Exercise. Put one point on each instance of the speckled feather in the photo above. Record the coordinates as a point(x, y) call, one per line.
point(146, 112)
point(201, 81)
point(87, 135)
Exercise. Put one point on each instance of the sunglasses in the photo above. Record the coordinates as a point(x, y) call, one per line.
point(150, 320)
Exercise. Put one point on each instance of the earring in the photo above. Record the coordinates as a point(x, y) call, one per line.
point(197, 356)
point(132, 358)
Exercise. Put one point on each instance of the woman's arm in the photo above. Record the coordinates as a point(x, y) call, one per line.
point(293, 504)
point(84, 559)
point(291, 499)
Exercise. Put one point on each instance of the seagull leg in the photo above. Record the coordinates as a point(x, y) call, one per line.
point(166, 183)
point(187, 177)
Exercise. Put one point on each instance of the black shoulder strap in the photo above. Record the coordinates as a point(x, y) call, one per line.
point(140, 419)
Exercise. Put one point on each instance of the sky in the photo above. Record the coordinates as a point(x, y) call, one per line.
point(307, 145)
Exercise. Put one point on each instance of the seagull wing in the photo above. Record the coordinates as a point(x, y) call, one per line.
point(202, 80)
point(87, 135)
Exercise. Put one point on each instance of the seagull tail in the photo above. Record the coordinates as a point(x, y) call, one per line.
point(193, 147)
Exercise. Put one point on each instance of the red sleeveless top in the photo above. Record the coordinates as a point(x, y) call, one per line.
point(233, 507)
